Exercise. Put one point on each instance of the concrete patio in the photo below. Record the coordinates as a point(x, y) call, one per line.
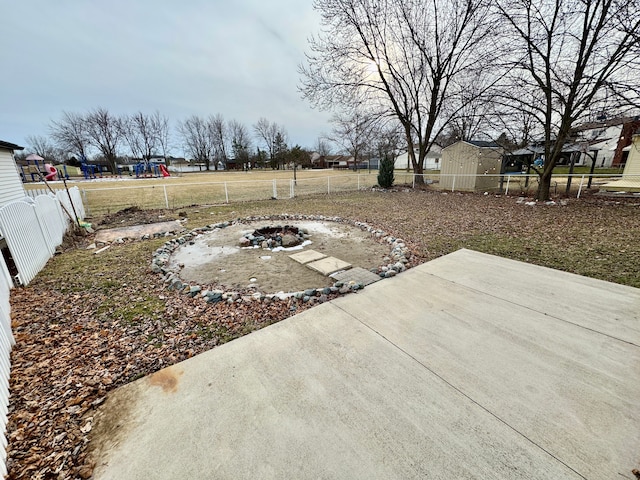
point(469, 366)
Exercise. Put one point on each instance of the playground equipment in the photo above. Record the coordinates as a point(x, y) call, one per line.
point(152, 169)
point(52, 173)
point(36, 169)
point(94, 171)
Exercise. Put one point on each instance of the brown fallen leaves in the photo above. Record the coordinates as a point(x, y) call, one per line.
point(68, 356)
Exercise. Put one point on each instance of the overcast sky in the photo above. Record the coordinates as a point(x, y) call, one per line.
point(234, 57)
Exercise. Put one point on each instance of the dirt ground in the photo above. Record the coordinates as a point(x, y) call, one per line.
point(217, 259)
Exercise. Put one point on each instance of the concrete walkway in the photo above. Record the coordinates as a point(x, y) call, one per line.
point(469, 366)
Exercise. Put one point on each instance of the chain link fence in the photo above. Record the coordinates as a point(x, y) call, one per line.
point(170, 193)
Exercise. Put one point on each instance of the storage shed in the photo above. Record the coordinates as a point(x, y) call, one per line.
point(10, 183)
point(472, 165)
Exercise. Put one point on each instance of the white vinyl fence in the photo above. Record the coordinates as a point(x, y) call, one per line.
point(6, 342)
point(32, 229)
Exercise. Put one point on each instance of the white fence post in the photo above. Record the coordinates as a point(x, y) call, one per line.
point(275, 189)
point(328, 185)
point(166, 198)
point(508, 180)
point(226, 193)
point(580, 189)
point(453, 184)
point(292, 192)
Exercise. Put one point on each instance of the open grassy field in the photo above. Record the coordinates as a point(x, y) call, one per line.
point(90, 323)
point(108, 195)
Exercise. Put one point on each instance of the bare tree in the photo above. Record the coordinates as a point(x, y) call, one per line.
point(220, 138)
point(197, 140)
point(404, 59)
point(569, 60)
point(241, 143)
point(273, 136)
point(146, 135)
point(160, 125)
point(104, 131)
point(354, 132)
point(322, 146)
point(70, 134)
point(41, 145)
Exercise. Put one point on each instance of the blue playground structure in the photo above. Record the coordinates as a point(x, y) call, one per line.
point(94, 171)
point(151, 169)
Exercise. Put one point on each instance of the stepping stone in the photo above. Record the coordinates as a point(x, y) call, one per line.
point(328, 265)
point(357, 275)
point(307, 256)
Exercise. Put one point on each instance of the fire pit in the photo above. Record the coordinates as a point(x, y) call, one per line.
point(273, 237)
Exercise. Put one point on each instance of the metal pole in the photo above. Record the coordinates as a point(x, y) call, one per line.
point(358, 182)
point(453, 184)
point(508, 180)
point(580, 189)
point(413, 184)
point(166, 199)
point(328, 185)
point(226, 192)
point(292, 192)
point(73, 207)
point(275, 189)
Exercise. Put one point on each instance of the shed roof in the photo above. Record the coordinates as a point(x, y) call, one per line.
point(483, 143)
point(10, 146)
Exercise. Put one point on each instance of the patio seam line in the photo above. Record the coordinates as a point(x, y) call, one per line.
point(533, 309)
point(467, 396)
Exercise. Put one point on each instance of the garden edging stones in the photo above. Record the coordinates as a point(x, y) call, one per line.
point(395, 262)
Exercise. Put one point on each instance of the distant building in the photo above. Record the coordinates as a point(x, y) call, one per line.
point(607, 141)
point(10, 183)
point(431, 161)
point(472, 165)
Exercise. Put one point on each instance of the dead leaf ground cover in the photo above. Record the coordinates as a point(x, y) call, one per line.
point(90, 323)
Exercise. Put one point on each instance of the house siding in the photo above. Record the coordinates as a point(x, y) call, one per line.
point(10, 184)
point(632, 168)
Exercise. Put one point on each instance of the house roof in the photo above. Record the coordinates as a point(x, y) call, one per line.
point(10, 146)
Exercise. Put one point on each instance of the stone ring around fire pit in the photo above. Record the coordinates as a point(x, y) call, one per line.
point(274, 238)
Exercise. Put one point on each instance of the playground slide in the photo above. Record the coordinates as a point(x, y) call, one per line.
point(164, 171)
point(52, 173)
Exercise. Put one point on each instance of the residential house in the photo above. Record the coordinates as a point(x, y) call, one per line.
point(473, 165)
point(431, 161)
point(630, 181)
point(608, 141)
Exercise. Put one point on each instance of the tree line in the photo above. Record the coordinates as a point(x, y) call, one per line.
point(212, 141)
point(434, 69)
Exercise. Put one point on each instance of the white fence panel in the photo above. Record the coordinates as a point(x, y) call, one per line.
point(76, 198)
point(26, 238)
point(6, 342)
point(53, 220)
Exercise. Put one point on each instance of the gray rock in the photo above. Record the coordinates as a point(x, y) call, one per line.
point(289, 240)
point(245, 242)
